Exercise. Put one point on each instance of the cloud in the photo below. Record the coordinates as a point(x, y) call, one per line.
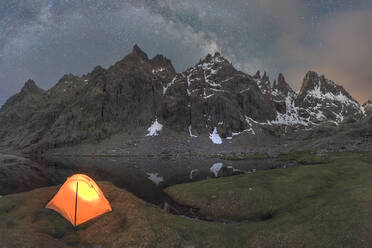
point(76, 38)
point(342, 52)
point(338, 45)
point(346, 53)
point(44, 39)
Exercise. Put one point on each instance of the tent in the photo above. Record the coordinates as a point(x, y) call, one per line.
point(79, 200)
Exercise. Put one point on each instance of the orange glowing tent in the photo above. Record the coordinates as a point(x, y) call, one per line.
point(79, 200)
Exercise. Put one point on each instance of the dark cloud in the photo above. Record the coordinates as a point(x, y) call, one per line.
point(339, 48)
point(346, 55)
point(44, 39)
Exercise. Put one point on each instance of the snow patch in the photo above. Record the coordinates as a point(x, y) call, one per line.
point(363, 109)
point(249, 130)
point(188, 81)
point(169, 85)
point(247, 89)
point(206, 97)
point(214, 71)
point(192, 173)
point(191, 135)
point(155, 178)
point(216, 168)
point(291, 116)
point(249, 119)
point(228, 79)
point(157, 70)
point(215, 137)
point(317, 93)
point(217, 90)
point(154, 129)
point(211, 83)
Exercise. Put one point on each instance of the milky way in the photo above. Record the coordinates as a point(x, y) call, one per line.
point(43, 39)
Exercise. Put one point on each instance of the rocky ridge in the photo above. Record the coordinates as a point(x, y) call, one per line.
point(211, 98)
point(320, 100)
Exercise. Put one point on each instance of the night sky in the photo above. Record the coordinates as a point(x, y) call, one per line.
point(44, 39)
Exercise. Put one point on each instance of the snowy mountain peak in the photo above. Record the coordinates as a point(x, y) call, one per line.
point(313, 83)
point(213, 60)
point(322, 100)
point(310, 79)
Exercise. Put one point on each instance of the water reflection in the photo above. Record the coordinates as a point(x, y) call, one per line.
point(146, 177)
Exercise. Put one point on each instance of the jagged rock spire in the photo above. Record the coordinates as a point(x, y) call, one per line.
point(265, 78)
point(139, 52)
point(217, 57)
point(282, 85)
point(257, 75)
point(30, 86)
point(281, 79)
point(311, 78)
point(208, 57)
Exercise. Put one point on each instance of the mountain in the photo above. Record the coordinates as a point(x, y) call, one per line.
point(210, 99)
point(213, 96)
point(17, 124)
point(321, 100)
point(288, 114)
point(124, 95)
point(22, 103)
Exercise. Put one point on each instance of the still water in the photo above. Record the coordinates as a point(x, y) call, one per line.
point(147, 177)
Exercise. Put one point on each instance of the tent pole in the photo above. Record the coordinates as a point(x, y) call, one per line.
point(77, 187)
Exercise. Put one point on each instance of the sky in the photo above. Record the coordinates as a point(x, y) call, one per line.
point(45, 39)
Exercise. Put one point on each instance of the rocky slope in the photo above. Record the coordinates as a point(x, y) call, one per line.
point(18, 174)
point(210, 99)
point(368, 107)
point(16, 115)
point(213, 97)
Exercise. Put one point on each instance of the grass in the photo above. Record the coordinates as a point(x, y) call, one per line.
point(327, 204)
point(323, 205)
point(24, 222)
point(304, 157)
point(238, 156)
